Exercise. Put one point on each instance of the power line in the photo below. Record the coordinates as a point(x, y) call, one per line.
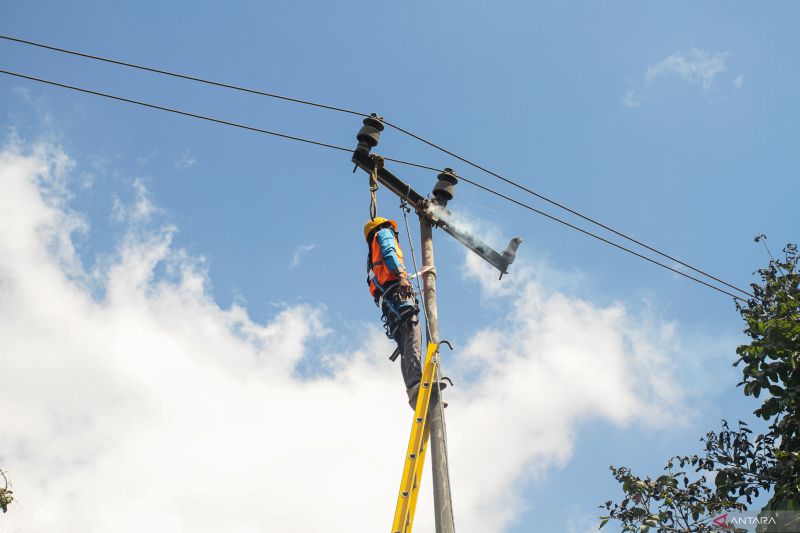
point(388, 123)
point(177, 111)
point(343, 149)
point(207, 118)
point(600, 238)
point(569, 225)
point(562, 206)
point(182, 76)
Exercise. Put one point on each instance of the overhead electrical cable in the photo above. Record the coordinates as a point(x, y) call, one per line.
point(182, 76)
point(207, 118)
point(177, 111)
point(600, 238)
point(564, 207)
point(388, 123)
point(349, 150)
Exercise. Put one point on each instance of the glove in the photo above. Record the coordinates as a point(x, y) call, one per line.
point(405, 289)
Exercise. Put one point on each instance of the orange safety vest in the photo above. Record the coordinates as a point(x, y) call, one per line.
point(378, 274)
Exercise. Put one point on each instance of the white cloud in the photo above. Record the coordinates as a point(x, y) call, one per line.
point(185, 161)
point(738, 81)
point(152, 408)
point(552, 362)
point(140, 210)
point(299, 254)
point(630, 100)
point(699, 67)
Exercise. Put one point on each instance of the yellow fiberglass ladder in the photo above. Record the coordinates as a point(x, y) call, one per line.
point(417, 444)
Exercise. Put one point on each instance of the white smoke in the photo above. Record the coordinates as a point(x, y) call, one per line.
point(464, 222)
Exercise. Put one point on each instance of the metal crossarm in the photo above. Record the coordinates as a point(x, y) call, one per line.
point(417, 444)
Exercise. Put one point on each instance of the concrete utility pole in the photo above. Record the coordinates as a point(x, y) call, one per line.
point(442, 500)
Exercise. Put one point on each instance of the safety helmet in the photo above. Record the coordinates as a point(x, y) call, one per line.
point(375, 222)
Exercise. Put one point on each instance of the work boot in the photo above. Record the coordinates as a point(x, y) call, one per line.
point(413, 393)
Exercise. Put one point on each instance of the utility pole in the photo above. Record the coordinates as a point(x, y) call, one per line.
point(432, 212)
point(442, 500)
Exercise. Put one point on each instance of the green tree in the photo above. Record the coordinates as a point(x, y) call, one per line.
point(740, 464)
point(6, 494)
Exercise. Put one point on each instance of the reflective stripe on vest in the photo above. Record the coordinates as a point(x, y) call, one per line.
point(374, 281)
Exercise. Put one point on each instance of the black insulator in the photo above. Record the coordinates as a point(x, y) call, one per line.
point(445, 186)
point(370, 132)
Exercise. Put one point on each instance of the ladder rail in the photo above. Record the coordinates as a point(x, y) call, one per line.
point(412, 504)
point(417, 445)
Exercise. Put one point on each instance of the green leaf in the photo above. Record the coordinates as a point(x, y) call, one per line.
point(776, 390)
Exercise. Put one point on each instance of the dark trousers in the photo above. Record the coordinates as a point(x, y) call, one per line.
point(409, 341)
point(401, 321)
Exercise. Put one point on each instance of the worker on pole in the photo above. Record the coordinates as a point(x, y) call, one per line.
point(394, 295)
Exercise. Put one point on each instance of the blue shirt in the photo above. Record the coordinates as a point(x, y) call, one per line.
point(388, 245)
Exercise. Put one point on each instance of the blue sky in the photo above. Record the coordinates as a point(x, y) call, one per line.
point(675, 123)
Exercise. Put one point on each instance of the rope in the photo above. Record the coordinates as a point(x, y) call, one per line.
point(373, 186)
point(405, 209)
